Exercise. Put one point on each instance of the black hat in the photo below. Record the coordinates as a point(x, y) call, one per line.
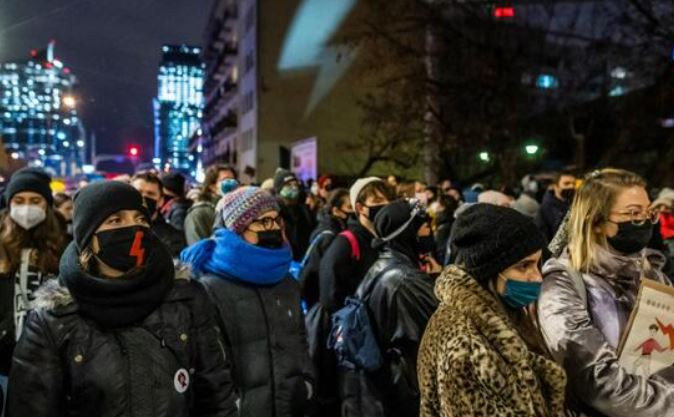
point(95, 202)
point(282, 177)
point(489, 239)
point(398, 220)
point(30, 179)
point(174, 181)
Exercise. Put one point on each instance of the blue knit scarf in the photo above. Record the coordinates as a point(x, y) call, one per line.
point(227, 255)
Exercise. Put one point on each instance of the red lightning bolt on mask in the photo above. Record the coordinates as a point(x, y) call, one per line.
point(137, 250)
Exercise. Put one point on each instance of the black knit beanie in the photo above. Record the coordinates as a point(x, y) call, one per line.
point(174, 181)
point(30, 179)
point(489, 239)
point(95, 202)
point(281, 177)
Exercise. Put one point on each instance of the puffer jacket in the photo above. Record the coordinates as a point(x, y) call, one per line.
point(473, 362)
point(169, 365)
point(264, 332)
point(583, 335)
point(400, 301)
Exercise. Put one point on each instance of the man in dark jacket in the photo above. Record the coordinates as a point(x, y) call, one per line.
point(151, 188)
point(297, 217)
point(175, 204)
point(400, 300)
point(331, 221)
point(556, 202)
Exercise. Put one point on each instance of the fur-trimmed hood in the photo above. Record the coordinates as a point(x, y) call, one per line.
point(54, 295)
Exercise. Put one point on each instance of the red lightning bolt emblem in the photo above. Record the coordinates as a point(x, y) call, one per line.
point(667, 330)
point(137, 249)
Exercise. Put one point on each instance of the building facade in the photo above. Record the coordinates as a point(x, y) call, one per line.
point(178, 107)
point(274, 81)
point(38, 113)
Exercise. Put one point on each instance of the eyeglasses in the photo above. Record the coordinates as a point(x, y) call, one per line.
point(267, 223)
point(639, 218)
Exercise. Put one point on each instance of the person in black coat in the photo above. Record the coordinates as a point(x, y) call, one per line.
point(175, 206)
point(298, 219)
point(117, 334)
point(152, 190)
point(400, 301)
point(331, 221)
point(555, 205)
point(245, 270)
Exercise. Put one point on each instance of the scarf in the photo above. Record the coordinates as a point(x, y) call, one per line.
point(227, 255)
point(119, 302)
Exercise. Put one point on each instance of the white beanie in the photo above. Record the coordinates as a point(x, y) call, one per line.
point(358, 186)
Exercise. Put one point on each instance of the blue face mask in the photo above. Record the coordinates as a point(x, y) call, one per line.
point(519, 294)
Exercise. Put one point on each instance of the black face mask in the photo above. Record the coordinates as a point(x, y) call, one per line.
point(426, 244)
point(373, 210)
point(125, 248)
point(631, 238)
point(151, 205)
point(568, 194)
point(270, 239)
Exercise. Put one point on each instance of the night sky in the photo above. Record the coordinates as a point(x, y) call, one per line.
point(113, 47)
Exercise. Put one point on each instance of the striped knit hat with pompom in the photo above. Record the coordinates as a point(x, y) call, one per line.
point(243, 205)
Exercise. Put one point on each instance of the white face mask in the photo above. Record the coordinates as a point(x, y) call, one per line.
point(27, 215)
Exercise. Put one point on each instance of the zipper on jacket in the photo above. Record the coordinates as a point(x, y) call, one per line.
point(127, 383)
point(269, 352)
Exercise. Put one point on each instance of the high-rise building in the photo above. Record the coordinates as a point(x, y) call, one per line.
point(178, 106)
point(277, 82)
point(38, 113)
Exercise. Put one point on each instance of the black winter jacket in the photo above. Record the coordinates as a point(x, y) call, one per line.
point(177, 211)
point(328, 228)
point(340, 274)
point(299, 223)
point(400, 300)
point(173, 238)
point(264, 333)
point(65, 365)
point(550, 215)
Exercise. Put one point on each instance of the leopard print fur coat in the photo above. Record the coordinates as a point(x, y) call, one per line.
point(472, 362)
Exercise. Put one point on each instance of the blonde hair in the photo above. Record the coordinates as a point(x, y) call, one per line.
point(591, 209)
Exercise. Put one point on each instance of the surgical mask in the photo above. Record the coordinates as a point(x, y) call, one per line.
point(373, 210)
point(228, 185)
point(290, 193)
point(426, 244)
point(568, 194)
point(270, 239)
point(27, 215)
point(151, 204)
point(519, 294)
point(124, 248)
point(631, 238)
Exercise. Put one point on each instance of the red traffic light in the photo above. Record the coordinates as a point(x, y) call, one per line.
point(504, 12)
point(134, 151)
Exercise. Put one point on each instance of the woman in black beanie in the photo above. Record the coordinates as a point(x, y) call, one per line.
point(399, 298)
point(117, 334)
point(481, 354)
point(31, 243)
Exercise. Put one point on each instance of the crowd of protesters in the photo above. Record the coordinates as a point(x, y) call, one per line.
point(155, 296)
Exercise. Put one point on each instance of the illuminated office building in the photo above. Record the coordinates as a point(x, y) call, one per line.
point(177, 108)
point(38, 113)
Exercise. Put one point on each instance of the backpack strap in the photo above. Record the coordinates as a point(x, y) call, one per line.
point(353, 241)
point(313, 244)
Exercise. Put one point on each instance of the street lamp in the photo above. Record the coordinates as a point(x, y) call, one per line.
point(531, 149)
point(484, 156)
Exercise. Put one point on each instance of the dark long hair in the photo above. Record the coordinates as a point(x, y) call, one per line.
point(47, 238)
